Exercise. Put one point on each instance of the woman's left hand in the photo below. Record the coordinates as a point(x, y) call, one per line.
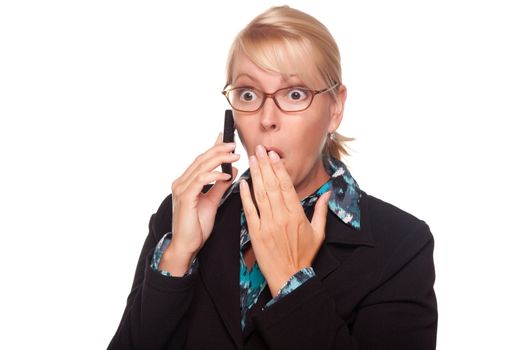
point(283, 239)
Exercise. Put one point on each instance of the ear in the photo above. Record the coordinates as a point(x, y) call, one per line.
point(337, 108)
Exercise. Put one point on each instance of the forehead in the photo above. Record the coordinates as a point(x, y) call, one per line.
point(244, 69)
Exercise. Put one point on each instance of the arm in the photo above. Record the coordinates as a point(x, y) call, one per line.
point(159, 252)
point(155, 309)
point(400, 314)
point(154, 317)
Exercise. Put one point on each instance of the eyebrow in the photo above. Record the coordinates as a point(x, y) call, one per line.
point(257, 80)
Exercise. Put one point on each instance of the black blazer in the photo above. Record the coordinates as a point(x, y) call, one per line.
point(373, 289)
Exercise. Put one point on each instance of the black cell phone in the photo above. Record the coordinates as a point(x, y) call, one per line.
point(228, 135)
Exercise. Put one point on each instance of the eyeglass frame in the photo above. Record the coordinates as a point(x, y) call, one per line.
point(314, 93)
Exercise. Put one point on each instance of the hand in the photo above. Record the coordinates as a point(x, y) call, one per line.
point(193, 211)
point(283, 239)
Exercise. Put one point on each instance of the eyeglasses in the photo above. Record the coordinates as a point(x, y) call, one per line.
point(289, 99)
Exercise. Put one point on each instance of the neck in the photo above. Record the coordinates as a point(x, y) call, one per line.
point(312, 181)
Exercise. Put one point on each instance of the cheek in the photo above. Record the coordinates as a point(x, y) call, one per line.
point(307, 142)
point(240, 128)
point(311, 137)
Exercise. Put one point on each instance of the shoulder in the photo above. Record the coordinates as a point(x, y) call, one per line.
point(385, 215)
point(394, 230)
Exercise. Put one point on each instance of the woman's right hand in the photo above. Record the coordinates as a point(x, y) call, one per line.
point(193, 211)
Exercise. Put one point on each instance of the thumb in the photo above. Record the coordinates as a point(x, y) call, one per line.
point(219, 188)
point(321, 208)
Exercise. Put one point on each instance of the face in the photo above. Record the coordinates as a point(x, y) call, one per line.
point(298, 137)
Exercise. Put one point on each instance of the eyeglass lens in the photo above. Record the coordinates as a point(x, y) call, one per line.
point(289, 99)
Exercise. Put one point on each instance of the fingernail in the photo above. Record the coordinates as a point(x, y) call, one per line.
point(274, 156)
point(260, 150)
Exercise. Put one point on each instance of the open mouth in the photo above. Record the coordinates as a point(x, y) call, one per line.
point(276, 150)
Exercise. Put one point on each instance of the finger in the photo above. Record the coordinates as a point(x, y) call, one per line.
point(319, 218)
point(208, 162)
point(218, 146)
point(216, 192)
point(205, 157)
point(205, 166)
point(259, 190)
point(250, 211)
point(288, 193)
point(219, 138)
point(195, 188)
point(271, 182)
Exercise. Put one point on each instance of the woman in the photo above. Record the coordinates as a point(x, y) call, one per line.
point(294, 255)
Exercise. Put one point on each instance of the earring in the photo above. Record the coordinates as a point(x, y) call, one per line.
point(332, 136)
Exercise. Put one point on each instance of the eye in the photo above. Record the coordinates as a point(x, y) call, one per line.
point(298, 94)
point(247, 95)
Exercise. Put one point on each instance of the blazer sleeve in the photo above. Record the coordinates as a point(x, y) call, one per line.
point(401, 313)
point(154, 316)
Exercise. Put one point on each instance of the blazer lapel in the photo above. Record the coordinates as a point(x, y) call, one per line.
point(220, 267)
point(341, 234)
point(337, 233)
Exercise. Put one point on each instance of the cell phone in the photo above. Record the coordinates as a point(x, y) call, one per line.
point(228, 135)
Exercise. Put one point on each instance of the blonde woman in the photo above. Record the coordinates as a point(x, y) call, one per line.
point(293, 255)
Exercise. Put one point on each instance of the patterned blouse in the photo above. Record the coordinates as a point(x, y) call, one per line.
point(343, 202)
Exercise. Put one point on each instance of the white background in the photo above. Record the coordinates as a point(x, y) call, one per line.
point(103, 104)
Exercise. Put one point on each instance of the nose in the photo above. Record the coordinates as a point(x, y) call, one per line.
point(269, 115)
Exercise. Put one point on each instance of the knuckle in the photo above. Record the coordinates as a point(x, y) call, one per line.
point(224, 147)
point(281, 221)
point(271, 185)
point(199, 158)
point(286, 186)
point(260, 195)
point(225, 157)
point(267, 239)
point(176, 191)
point(201, 177)
point(231, 156)
point(249, 211)
point(200, 168)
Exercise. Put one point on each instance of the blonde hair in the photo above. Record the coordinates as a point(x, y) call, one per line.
point(278, 40)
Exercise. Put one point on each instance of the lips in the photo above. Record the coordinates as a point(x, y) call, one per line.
point(275, 149)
